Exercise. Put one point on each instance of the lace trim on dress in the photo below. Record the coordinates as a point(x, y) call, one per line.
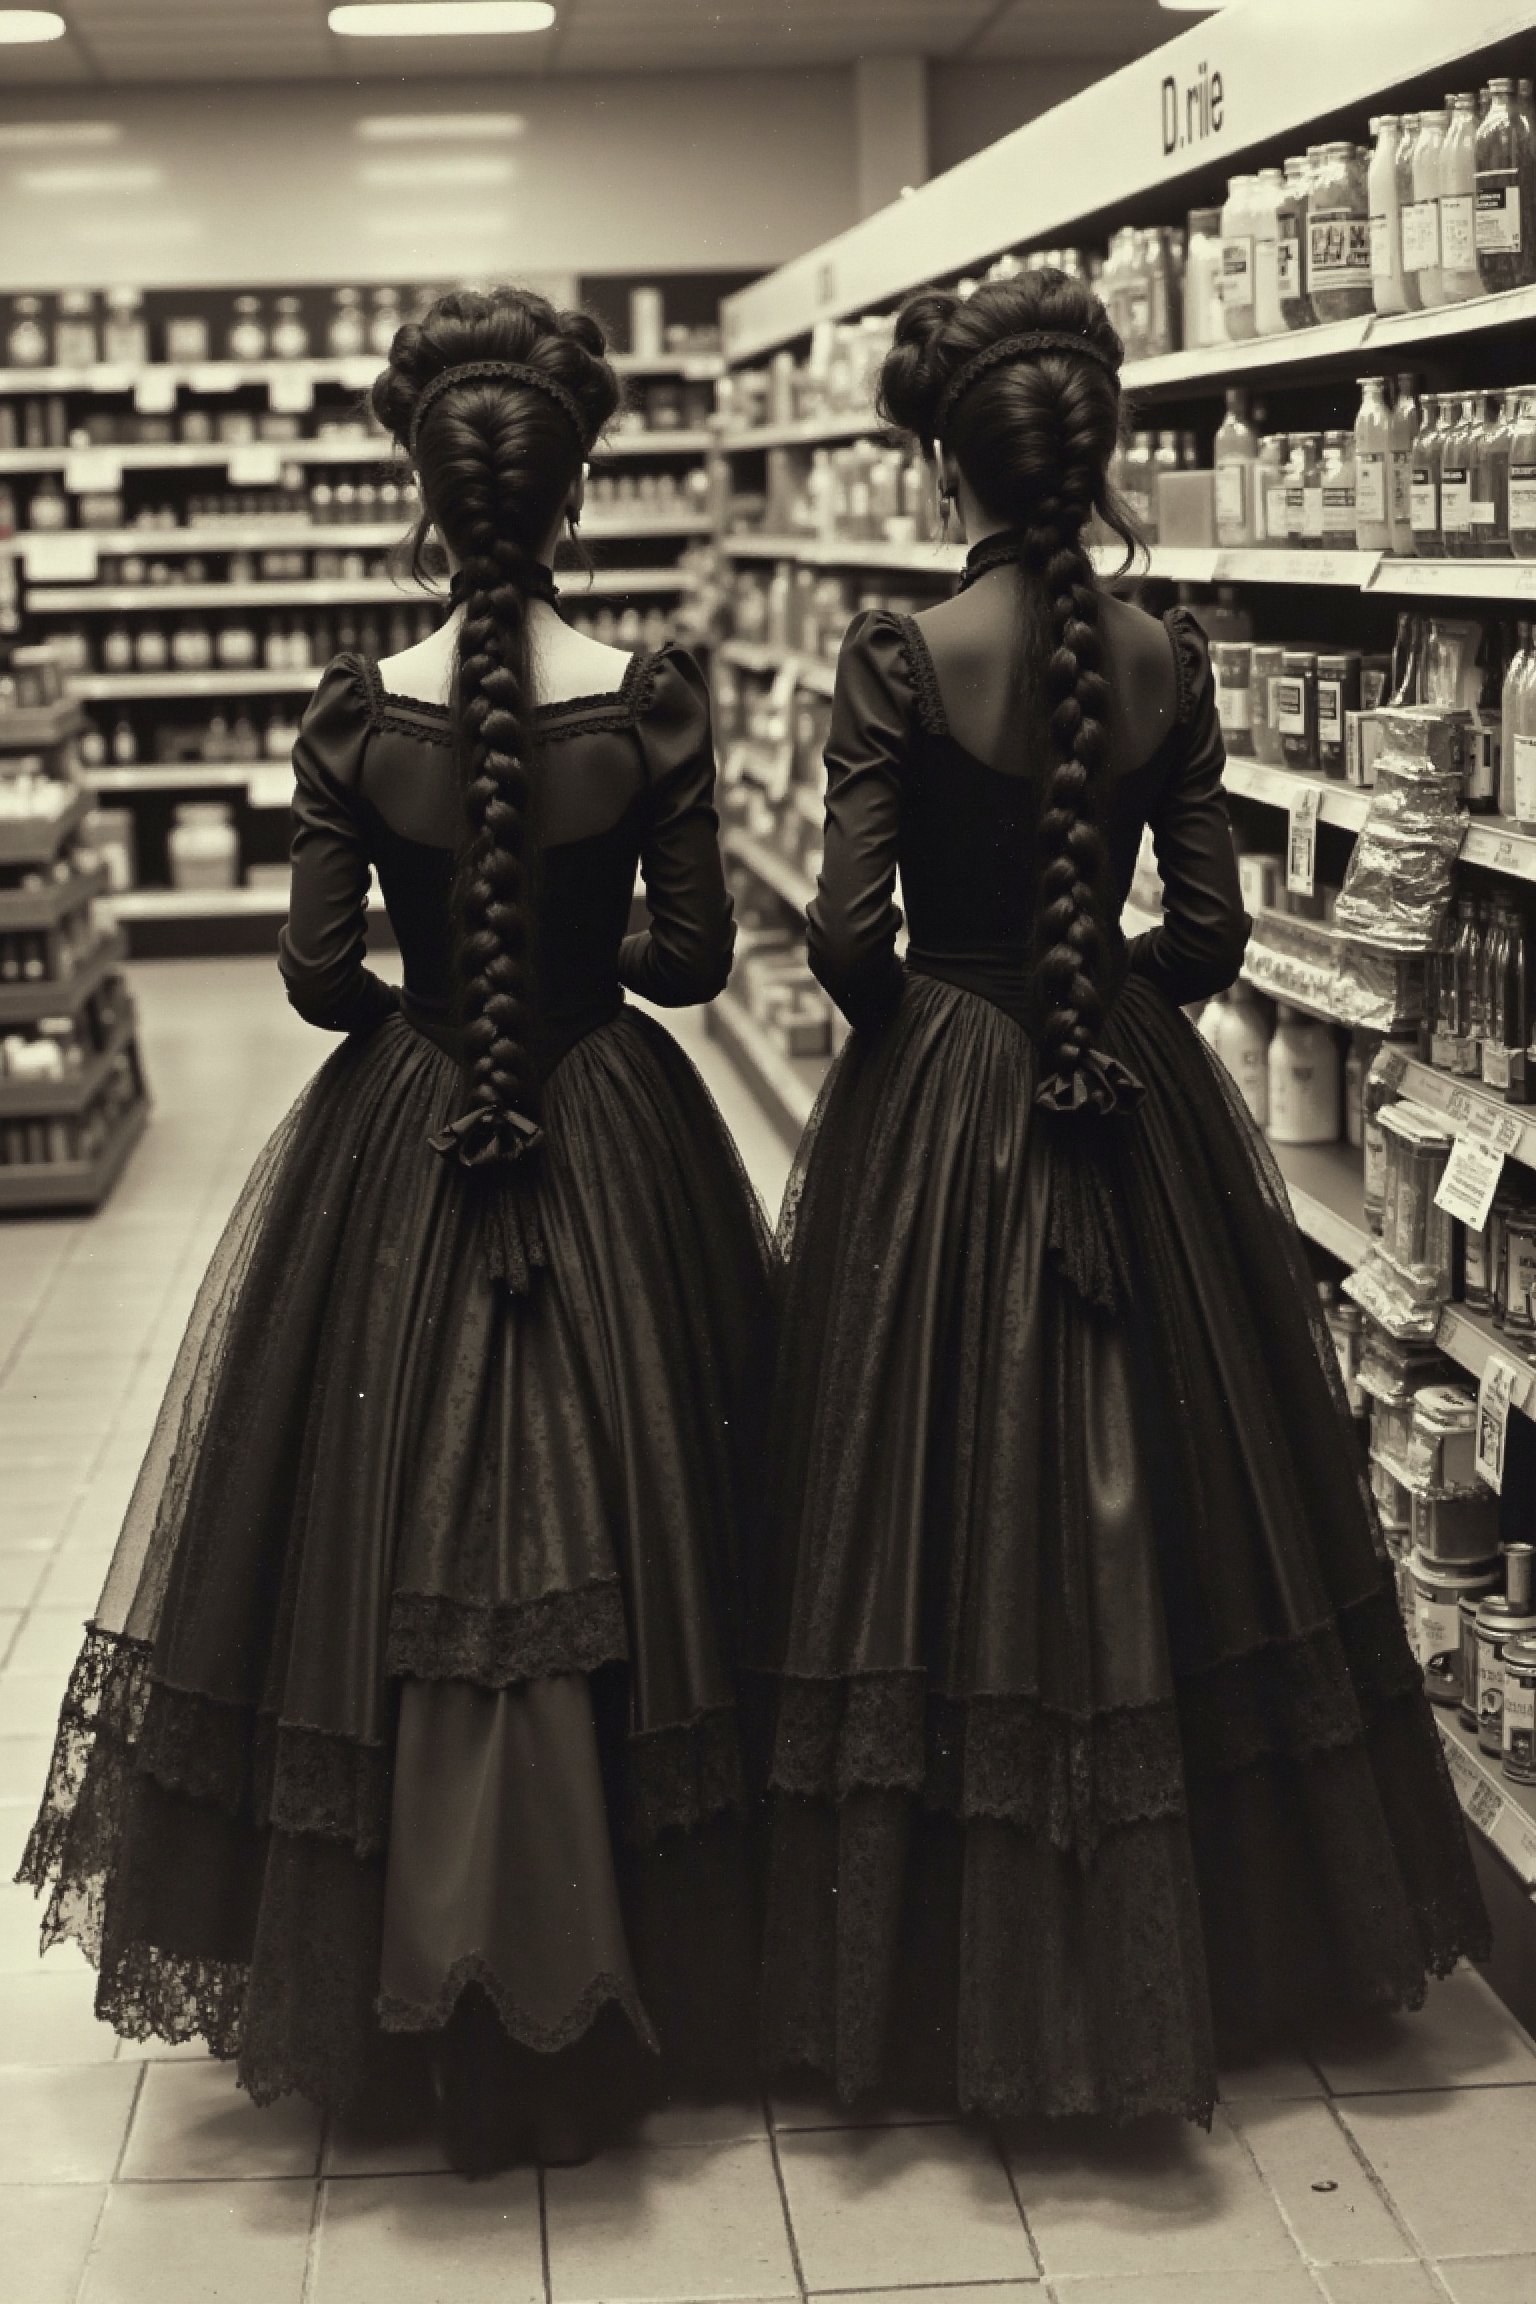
point(420, 716)
point(435, 1637)
point(605, 1990)
point(1189, 660)
point(920, 671)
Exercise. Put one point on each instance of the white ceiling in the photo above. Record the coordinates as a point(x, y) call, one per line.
point(136, 41)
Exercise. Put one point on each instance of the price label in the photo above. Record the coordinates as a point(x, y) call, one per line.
point(260, 465)
point(1503, 1386)
point(94, 471)
point(1470, 1181)
point(1301, 847)
point(1501, 1130)
point(1390, 1068)
point(270, 785)
point(212, 376)
point(1458, 1105)
point(154, 391)
point(290, 392)
point(60, 556)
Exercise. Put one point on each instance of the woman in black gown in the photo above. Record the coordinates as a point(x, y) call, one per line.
point(409, 1707)
point(1099, 1742)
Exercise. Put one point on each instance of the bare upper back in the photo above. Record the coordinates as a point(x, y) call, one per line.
point(566, 663)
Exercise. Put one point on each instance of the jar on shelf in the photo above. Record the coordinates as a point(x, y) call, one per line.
point(125, 331)
point(1459, 277)
point(247, 337)
point(75, 343)
point(1291, 246)
point(117, 648)
point(191, 645)
point(48, 511)
point(1338, 478)
point(1338, 695)
point(186, 338)
point(203, 845)
point(290, 337)
point(1387, 293)
point(1505, 164)
point(346, 332)
point(1237, 235)
point(26, 339)
point(1421, 220)
point(1339, 235)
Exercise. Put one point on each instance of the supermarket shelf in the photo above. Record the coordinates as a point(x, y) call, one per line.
point(1500, 845)
point(354, 372)
point(291, 535)
point(690, 367)
point(1375, 335)
point(176, 776)
point(1503, 1812)
point(1342, 804)
point(803, 432)
point(1327, 1196)
point(306, 592)
point(1454, 579)
point(785, 1086)
point(775, 871)
point(39, 730)
point(1456, 1100)
point(139, 904)
point(344, 448)
point(61, 1099)
point(24, 1003)
point(74, 1183)
point(28, 840)
point(850, 552)
point(760, 656)
point(23, 910)
point(656, 442)
point(123, 687)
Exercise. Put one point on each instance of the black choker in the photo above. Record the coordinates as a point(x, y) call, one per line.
point(1006, 548)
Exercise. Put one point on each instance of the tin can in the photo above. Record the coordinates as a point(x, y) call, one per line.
point(1442, 1440)
point(1296, 708)
point(1519, 1727)
point(1499, 1621)
point(1232, 665)
point(1448, 1529)
point(1466, 1610)
point(1520, 1271)
point(1438, 1591)
point(1265, 667)
point(1338, 694)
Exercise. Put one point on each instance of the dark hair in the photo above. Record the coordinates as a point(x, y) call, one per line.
point(1033, 436)
point(496, 458)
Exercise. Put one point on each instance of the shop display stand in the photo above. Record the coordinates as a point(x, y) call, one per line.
point(1016, 197)
point(63, 580)
point(81, 956)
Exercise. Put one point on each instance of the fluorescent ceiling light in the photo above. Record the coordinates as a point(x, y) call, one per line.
point(408, 228)
point(50, 135)
point(453, 169)
point(437, 19)
point(439, 127)
point(83, 176)
point(154, 230)
point(21, 26)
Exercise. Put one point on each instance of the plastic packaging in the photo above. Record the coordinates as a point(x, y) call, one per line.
point(1387, 290)
point(1232, 667)
point(1339, 235)
point(1266, 668)
point(1398, 880)
point(1296, 708)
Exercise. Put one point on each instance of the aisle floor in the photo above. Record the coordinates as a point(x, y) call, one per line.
point(1392, 2167)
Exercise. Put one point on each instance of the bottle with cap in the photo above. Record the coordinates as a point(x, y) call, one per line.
point(1235, 456)
point(1373, 467)
point(1403, 431)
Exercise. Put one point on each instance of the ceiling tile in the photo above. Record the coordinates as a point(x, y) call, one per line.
point(1053, 28)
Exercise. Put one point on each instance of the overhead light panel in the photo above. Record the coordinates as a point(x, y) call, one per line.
point(438, 19)
point(22, 27)
point(433, 171)
point(89, 177)
point(57, 135)
point(440, 127)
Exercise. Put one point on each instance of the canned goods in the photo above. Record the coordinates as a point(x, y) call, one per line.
point(1232, 667)
point(1520, 1271)
point(1500, 1619)
point(1466, 1610)
point(1441, 1454)
point(1296, 708)
point(1438, 1590)
point(1338, 694)
point(1452, 1528)
point(1265, 667)
point(1519, 1733)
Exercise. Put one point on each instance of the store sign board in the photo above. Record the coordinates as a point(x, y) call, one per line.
point(1212, 93)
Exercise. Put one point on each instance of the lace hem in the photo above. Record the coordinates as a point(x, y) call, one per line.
point(682, 1777)
point(1075, 1778)
point(435, 1637)
point(605, 1990)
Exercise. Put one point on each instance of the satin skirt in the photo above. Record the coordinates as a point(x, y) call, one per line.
point(417, 1665)
point(1099, 1744)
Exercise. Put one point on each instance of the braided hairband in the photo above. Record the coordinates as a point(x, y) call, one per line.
point(1016, 348)
point(514, 372)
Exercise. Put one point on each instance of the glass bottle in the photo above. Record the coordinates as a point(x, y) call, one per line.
point(1165, 458)
point(1338, 481)
point(1504, 236)
point(1424, 513)
point(1404, 431)
point(247, 338)
point(26, 341)
point(1387, 291)
point(1509, 716)
point(1425, 253)
point(1522, 478)
point(1407, 222)
point(1269, 489)
point(345, 334)
point(1373, 463)
point(1312, 490)
point(1490, 480)
point(125, 331)
point(1456, 482)
point(1458, 202)
point(383, 320)
point(1268, 319)
point(1202, 281)
point(1290, 247)
point(1235, 456)
point(1237, 259)
point(290, 337)
point(1339, 235)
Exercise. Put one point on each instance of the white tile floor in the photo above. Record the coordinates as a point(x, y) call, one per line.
point(1392, 2167)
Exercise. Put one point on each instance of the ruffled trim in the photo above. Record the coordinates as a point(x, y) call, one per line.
point(605, 1990)
point(433, 1636)
point(1191, 661)
point(683, 1777)
point(1099, 1084)
point(920, 671)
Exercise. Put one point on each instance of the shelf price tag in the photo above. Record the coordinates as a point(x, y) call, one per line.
point(1301, 846)
point(290, 392)
point(270, 785)
point(1503, 1386)
point(93, 471)
point(1389, 1068)
point(1471, 1178)
point(154, 391)
point(258, 465)
point(60, 556)
point(213, 376)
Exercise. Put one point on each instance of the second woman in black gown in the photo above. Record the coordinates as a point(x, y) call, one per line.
point(1099, 1741)
point(408, 1713)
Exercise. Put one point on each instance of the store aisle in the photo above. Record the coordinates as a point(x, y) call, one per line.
point(1390, 2169)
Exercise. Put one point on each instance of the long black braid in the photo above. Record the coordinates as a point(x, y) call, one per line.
point(497, 457)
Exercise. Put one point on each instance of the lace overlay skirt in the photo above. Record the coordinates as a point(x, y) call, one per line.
point(1099, 1741)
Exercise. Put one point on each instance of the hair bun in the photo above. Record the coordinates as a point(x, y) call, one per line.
point(914, 373)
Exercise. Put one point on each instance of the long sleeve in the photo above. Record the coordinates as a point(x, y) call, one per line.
point(321, 949)
point(853, 921)
point(1198, 949)
point(684, 957)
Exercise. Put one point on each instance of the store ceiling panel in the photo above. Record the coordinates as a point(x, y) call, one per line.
point(149, 40)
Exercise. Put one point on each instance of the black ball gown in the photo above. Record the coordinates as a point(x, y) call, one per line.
point(1099, 1741)
point(414, 1677)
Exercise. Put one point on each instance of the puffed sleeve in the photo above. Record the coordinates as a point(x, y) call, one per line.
point(1198, 949)
point(320, 951)
point(853, 921)
point(685, 955)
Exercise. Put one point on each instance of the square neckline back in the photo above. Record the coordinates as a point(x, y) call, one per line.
point(385, 702)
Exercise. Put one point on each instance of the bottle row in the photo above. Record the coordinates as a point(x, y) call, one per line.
point(29, 795)
point(240, 640)
point(1480, 998)
point(60, 1047)
point(49, 1143)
